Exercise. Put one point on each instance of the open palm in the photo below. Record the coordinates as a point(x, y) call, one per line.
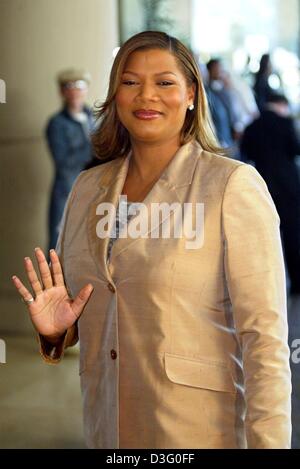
point(53, 311)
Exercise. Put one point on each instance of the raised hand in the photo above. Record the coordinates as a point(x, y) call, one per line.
point(52, 311)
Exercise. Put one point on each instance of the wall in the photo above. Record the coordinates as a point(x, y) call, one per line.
point(37, 39)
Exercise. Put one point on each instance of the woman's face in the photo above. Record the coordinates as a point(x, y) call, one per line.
point(153, 96)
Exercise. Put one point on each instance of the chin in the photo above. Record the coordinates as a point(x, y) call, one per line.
point(146, 136)
point(146, 132)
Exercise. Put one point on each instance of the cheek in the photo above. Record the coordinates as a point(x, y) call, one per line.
point(176, 101)
point(122, 100)
point(80, 95)
point(75, 94)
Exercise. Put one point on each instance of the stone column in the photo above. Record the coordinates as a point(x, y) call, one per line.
point(37, 39)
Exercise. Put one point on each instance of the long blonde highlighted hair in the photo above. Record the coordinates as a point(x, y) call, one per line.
point(112, 140)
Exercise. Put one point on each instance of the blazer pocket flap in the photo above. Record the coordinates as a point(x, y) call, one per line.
point(199, 373)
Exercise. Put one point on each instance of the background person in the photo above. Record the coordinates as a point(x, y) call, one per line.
point(262, 88)
point(272, 143)
point(68, 137)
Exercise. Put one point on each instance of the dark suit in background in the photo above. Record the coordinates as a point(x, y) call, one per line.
point(272, 144)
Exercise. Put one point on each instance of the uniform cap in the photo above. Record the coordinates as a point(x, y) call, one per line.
point(73, 75)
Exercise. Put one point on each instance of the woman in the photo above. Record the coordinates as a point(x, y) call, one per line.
point(181, 345)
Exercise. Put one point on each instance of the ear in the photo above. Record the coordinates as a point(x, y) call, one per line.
point(191, 93)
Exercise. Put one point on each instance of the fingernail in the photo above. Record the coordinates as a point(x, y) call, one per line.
point(13, 277)
point(26, 258)
point(52, 250)
point(36, 248)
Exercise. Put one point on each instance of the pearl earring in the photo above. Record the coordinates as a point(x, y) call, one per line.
point(191, 107)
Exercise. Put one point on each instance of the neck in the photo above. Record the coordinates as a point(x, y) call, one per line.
point(75, 109)
point(149, 160)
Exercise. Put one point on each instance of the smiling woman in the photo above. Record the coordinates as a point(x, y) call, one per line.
point(180, 346)
point(153, 64)
point(153, 89)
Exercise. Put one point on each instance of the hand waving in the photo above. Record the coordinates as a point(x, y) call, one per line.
point(52, 311)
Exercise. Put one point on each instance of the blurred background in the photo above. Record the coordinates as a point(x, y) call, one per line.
point(55, 59)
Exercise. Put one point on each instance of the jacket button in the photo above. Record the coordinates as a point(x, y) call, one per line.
point(113, 354)
point(111, 287)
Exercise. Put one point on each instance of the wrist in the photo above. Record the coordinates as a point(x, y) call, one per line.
point(54, 339)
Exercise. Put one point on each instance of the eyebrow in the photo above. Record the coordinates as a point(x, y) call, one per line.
point(156, 74)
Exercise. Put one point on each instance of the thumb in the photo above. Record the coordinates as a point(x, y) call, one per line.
point(81, 299)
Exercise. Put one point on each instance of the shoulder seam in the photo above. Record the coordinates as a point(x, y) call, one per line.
point(223, 196)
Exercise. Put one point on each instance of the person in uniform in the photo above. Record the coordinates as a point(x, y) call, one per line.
point(69, 141)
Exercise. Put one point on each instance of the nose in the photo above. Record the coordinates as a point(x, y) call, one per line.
point(148, 91)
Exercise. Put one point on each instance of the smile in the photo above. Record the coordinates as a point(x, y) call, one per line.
point(147, 114)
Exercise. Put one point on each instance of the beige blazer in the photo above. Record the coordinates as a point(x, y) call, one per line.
point(181, 348)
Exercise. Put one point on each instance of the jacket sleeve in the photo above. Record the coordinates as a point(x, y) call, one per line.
point(49, 352)
point(255, 274)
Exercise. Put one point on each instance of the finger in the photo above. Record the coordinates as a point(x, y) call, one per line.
point(44, 268)
point(25, 294)
point(81, 299)
point(57, 272)
point(32, 276)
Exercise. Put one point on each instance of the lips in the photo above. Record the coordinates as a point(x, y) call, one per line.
point(147, 114)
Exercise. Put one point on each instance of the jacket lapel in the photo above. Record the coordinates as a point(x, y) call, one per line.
point(178, 173)
point(110, 187)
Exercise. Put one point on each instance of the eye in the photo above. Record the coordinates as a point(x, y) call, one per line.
point(165, 83)
point(128, 82)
